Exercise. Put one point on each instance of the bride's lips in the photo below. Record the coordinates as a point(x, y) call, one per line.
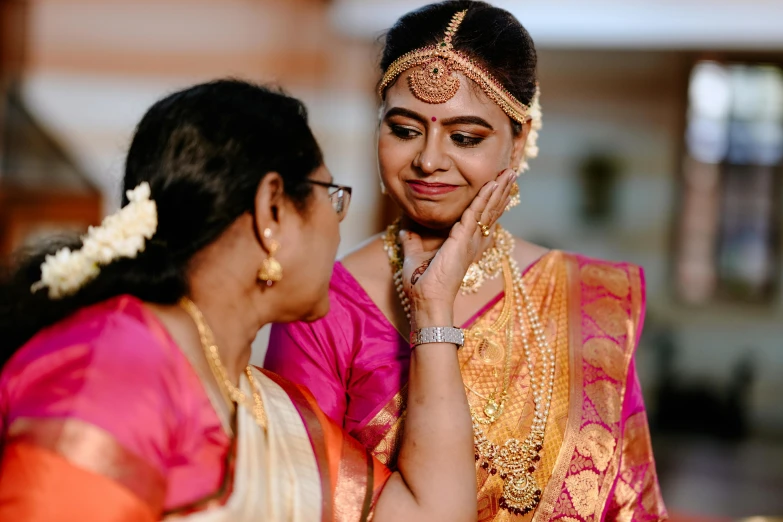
point(431, 189)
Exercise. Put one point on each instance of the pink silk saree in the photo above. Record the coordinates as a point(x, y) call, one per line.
point(102, 417)
point(598, 462)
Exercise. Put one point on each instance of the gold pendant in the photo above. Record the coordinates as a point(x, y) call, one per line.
point(521, 493)
point(489, 351)
point(433, 82)
point(514, 462)
point(493, 410)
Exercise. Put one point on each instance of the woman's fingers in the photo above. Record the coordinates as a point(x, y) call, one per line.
point(491, 210)
point(499, 201)
point(471, 216)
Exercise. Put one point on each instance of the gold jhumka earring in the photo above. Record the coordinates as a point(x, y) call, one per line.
point(271, 272)
point(515, 199)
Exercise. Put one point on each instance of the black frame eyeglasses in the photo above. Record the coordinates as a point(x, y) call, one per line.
point(340, 196)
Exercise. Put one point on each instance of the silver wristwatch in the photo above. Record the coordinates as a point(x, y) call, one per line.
point(438, 334)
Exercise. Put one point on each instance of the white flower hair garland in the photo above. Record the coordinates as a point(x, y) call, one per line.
point(122, 234)
point(531, 147)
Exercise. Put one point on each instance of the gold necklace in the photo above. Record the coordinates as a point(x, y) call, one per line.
point(496, 401)
point(515, 461)
point(490, 265)
point(234, 393)
point(487, 268)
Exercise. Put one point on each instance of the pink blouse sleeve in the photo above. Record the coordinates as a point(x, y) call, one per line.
point(108, 392)
point(307, 354)
point(106, 379)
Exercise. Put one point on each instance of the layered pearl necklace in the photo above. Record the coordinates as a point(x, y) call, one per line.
point(514, 461)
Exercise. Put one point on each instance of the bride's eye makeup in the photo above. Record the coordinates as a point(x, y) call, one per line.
point(465, 140)
point(464, 131)
point(404, 132)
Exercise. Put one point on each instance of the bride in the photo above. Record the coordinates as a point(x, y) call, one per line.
point(559, 425)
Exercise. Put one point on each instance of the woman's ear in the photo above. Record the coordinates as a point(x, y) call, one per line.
point(270, 209)
point(518, 148)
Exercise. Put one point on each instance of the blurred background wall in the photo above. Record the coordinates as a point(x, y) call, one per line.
point(662, 145)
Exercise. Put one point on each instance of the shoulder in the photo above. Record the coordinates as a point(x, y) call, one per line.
point(118, 330)
point(109, 366)
point(110, 348)
point(347, 300)
point(618, 278)
point(526, 253)
point(358, 275)
point(611, 296)
point(354, 322)
point(347, 303)
point(368, 263)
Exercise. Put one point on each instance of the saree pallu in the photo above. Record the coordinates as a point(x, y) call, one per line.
point(104, 418)
point(597, 462)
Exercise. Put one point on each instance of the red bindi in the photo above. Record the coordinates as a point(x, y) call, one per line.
point(434, 118)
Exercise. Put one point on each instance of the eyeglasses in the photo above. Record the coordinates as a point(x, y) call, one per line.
point(340, 196)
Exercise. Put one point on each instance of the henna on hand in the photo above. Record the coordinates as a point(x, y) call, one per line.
point(420, 271)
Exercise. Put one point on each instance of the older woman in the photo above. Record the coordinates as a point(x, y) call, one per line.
point(560, 430)
point(125, 392)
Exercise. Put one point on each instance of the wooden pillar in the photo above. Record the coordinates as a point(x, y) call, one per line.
point(13, 36)
point(13, 43)
point(30, 207)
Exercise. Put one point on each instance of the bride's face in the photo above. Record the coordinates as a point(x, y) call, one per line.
point(434, 158)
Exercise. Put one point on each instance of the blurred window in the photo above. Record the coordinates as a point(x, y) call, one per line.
point(728, 237)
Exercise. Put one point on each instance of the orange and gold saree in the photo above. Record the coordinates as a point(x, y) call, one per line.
point(597, 463)
point(103, 418)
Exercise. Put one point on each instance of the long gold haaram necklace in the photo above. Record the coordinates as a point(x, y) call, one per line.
point(487, 348)
point(231, 391)
point(494, 260)
point(514, 461)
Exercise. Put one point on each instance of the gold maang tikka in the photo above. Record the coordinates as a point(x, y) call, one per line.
point(433, 80)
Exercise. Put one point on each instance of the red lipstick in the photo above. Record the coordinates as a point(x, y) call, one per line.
point(431, 189)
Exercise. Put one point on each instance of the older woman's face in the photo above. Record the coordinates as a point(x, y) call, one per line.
point(309, 257)
point(434, 158)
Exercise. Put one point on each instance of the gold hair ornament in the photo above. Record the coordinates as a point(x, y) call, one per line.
point(433, 81)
